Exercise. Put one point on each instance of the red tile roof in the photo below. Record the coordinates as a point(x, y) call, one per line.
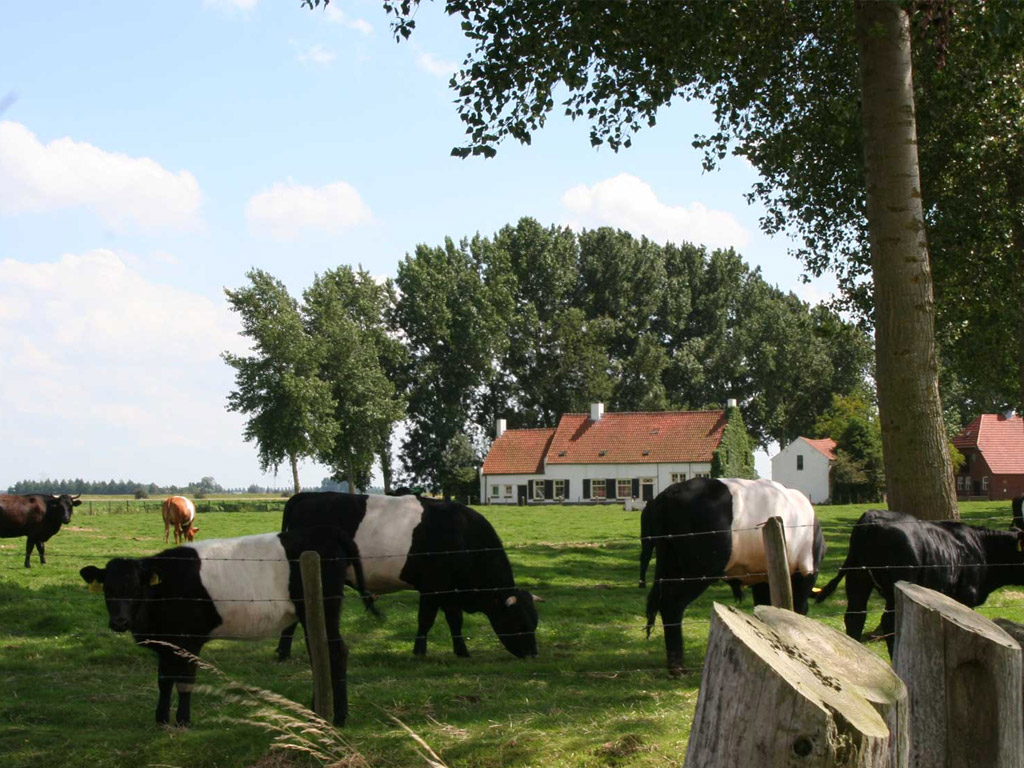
point(637, 438)
point(998, 439)
point(518, 451)
point(825, 445)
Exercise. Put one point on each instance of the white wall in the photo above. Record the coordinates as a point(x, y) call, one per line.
point(576, 473)
point(812, 479)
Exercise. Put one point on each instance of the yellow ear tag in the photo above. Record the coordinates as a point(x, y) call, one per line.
point(816, 590)
point(96, 587)
point(1020, 545)
point(154, 579)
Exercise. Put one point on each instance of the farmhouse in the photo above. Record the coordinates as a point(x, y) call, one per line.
point(601, 457)
point(804, 464)
point(993, 445)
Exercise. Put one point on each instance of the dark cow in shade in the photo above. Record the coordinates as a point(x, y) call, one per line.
point(38, 516)
point(707, 529)
point(1018, 513)
point(243, 588)
point(962, 561)
point(448, 552)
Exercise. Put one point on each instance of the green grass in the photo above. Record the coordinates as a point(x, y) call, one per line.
point(73, 693)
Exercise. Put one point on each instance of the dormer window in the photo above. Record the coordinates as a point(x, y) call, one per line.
point(646, 453)
point(561, 453)
point(601, 453)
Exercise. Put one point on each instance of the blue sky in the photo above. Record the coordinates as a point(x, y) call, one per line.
point(156, 151)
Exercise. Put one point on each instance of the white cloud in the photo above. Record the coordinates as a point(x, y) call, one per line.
point(318, 55)
point(626, 202)
point(289, 209)
point(241, 5)
point(430, 63)
point(338, 16)
point(126, 192)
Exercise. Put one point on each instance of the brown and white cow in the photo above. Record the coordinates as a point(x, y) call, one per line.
point(180, 514)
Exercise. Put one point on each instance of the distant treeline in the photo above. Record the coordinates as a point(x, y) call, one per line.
point(130, 487)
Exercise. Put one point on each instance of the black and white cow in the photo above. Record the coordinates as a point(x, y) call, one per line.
point(707, 529)
point(36, 516)
point(243, 588)
point(962, 561)
point(448, 552)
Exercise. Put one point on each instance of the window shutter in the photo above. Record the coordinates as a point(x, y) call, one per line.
point(568, 496)
point(586, 488)
point(611, 490)
point(549, 489)
point(636, 487)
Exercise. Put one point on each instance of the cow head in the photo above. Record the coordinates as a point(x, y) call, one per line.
point(514, 619)
point(188, 531)
point(125, 584)
point(64, 503)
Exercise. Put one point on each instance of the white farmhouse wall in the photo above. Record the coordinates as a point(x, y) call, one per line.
point(812, 479)
point(577, 473)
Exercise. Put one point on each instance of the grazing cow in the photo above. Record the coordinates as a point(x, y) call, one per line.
point(707, 529)
point(37, 516)
point(1018, 512)
point(446, 551)
point(180, 514)
point(962, 561)
point(243, 588)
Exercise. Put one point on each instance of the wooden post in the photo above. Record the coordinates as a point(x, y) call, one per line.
point(963, 674)
point(316, 634)
point(848, 660)
point(764, 701)
point(779, 583)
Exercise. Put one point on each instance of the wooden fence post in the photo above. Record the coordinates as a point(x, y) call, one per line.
point(774, 535)
point(316, 634)
point(764, 701)
point(963, 674)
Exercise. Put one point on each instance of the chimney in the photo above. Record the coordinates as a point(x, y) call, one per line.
point(499, 428)
point(596, 411)
point(730, 403)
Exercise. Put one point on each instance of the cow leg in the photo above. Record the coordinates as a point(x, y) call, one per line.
point(427, 614)
point(762, 593)
point(165, 683)
point(174, 670)
point(284, 645)
point(28, 552)
point(888, 625)
point(339, 672)
point(454, 618)
point(183, 717)
point(167, 530)
point(803, 586)
point(672, 606)
point(41, 549)
point(858, 590)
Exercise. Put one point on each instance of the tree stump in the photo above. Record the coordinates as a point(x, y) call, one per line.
point(764, 701)
point(1016, 631)
point(857, 667)
point(963, 674)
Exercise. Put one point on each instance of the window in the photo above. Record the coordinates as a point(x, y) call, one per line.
point(597, 489)
point(799, 461)
point(538, 490)
point(959, 483)
point(678, 477)
point(624, 489)
point(702, 474)
point(495, 490)
point(508, 491)
point(559, 489)
point(967, 480)
point(984, 483)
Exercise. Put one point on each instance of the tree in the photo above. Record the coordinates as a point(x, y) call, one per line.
point(459, 469)
point(289, 407)
point(787, 80)
point(734, 456)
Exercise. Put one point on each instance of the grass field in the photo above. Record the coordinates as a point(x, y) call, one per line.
point(72, 693)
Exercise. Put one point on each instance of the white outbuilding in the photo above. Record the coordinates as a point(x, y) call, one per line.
point(804, 464)
point(600, 457)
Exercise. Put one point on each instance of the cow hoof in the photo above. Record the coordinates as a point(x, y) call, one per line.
point(462, 654)
point(642, 584)
point(283, 656)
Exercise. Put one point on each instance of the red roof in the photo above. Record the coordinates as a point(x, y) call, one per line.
point(637, 438)
point(518, 451)
point(998, 439)
point(825, 445)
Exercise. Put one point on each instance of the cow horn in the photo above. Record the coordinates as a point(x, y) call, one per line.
point(537, 598)
point(76, 496)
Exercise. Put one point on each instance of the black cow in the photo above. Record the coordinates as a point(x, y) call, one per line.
point(448, 552)
point(1018, 512)
point(37, 516)
point(962, 561)
point(707, 529)
point(242, 588)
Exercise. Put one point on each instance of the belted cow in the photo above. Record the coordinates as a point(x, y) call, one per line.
point(180, 514)
point(448, 552)
point(243, 588)
point(36, 515)
point(962, 561)
point(708, 529)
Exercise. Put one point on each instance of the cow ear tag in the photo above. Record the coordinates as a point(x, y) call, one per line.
point(816, 590)
point(96, 587)
point(154, 579)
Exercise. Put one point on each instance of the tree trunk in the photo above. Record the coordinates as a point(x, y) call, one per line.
point(918, 471)
point(294, 461)
point(385, 463)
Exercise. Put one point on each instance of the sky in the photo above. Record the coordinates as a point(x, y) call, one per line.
point(152, 153)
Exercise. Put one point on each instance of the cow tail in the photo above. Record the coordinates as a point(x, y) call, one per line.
point(820, 595)
point(653, 601)
point(352, 552)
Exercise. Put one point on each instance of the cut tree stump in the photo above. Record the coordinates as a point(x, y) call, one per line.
point(963, 674)
point(857, 667)
point(766, 701)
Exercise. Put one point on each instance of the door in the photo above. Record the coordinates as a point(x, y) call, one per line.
point(521, 494)
point(647, 489)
